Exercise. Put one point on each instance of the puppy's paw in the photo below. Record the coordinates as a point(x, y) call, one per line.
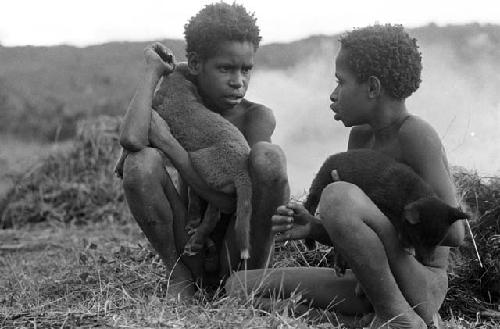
point(194, 245)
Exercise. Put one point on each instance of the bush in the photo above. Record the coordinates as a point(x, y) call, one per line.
point(474, 284)
point(72, 185)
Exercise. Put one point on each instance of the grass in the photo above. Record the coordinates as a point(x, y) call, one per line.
point(105, 274)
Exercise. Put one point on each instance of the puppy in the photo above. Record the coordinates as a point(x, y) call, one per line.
point(421, 219)
point(218, 152)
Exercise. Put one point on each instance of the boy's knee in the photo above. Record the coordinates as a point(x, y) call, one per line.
point(140, 168)
point(339, 198)
point(268, 163)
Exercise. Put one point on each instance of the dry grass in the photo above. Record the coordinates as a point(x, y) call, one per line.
point(104, 274)
point(74, 184)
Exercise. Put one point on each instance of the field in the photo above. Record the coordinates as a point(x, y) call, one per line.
point(68, 260)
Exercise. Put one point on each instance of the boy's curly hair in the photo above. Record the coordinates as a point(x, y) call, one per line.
point(219, 22)
point(388, 53)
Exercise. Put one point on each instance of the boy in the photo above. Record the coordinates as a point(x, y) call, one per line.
point(377, 68)
point(221, 43)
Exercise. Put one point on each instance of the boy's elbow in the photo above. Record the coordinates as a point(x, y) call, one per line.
point(131, 143)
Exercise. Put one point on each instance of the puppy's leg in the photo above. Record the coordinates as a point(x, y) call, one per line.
point(201, 233)
point(195, 210)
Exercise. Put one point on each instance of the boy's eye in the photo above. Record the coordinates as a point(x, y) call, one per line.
point(246, 69)
point(225, 68)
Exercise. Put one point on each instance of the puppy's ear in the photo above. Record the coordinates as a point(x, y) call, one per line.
point(194, 63)
point(456, 214)
point(411, 213)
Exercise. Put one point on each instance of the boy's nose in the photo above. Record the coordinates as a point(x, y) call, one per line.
point(333, 96)
point(236, 80)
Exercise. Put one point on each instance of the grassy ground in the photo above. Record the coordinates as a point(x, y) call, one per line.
point(105, 275)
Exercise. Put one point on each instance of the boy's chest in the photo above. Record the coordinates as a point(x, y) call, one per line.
point(238, 119)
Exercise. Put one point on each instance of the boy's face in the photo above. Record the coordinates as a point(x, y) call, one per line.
point(223, 78)
point(350, 98)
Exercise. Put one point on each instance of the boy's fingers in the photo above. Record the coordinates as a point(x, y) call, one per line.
point(335, 175)
point(280, 220)
point(281, 228)
point(284, 211)
point(297, 208)
point(165, 54)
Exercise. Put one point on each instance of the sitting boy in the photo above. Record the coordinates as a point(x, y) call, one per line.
point(377, 68)
point(221, 43)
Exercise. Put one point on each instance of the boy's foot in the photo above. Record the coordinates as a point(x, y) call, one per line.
point(412, 321)
point(179, 282)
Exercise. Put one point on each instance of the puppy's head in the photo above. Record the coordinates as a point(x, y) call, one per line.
point(426, 222)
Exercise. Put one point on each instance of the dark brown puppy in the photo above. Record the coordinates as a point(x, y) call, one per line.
point(419, 216)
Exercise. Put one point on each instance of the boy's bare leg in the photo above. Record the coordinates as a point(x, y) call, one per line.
point(318, 285)
point(159, 211)
point(397, 285)
point(267, 166)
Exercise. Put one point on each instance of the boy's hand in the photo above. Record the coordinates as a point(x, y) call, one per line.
point(159, 59)
point(293, 221)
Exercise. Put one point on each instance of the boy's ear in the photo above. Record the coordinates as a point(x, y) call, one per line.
point(374, 87)
point(194, 63)
point(411, 214)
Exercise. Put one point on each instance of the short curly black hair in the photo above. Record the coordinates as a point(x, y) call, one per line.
point(217, 23)
point(386, 52)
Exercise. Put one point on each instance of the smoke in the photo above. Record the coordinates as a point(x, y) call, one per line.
point(305, 127)
point(459, 97)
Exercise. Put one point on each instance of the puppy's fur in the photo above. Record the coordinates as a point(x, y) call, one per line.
point(218, 152)
point(419, 216)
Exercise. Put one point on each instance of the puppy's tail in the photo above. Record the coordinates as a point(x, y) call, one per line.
point(243, 186)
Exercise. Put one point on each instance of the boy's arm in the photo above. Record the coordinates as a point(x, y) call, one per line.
point(135, 127)
point(422, 150)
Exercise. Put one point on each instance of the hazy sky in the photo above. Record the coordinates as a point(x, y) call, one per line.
point(49, 22)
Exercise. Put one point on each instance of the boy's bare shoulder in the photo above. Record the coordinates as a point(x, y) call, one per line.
point(417, 132)
point(255, 112)
point(259, 122)
point(421, 147)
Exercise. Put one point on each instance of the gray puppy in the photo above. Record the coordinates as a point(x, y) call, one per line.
point(218, 152)
point(421, 219)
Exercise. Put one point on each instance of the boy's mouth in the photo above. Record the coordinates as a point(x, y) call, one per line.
point(233, 99)
point(336, 115)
